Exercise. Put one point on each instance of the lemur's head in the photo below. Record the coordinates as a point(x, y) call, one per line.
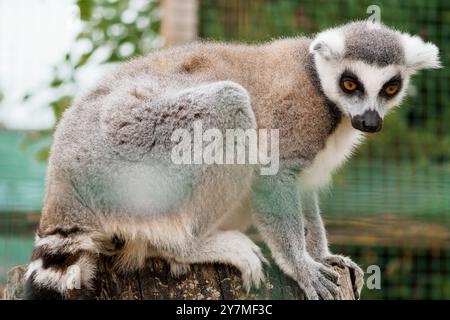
point(365, 67)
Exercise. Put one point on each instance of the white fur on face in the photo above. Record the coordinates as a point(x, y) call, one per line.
point(372, 78)
point(329, 50)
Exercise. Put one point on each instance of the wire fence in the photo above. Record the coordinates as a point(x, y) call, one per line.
point(390, 205)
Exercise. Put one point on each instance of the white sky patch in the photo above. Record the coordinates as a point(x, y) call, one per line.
point(34, 36)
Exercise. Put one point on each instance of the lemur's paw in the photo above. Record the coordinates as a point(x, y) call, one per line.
point(317, 280)
point(178, 269)
point(249, 261)
point(357, 273)
point(251, 271)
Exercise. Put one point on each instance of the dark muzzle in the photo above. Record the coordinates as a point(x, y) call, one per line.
point(369, 121)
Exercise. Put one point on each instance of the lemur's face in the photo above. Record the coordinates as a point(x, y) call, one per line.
point(364, 68)
point(364, 92)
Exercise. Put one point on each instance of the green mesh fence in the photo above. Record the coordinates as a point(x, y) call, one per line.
point(21, 198)
point(389, 205)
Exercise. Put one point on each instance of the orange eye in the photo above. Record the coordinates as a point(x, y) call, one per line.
point(350, 85)
point(390, 90)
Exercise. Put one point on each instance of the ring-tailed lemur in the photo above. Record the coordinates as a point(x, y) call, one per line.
point(112, 189)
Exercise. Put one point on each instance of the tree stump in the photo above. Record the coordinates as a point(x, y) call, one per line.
point(204, 282)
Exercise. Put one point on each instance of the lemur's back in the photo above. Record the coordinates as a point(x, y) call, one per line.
point(276, 76)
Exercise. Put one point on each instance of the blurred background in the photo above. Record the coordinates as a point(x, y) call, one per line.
point(389, 206)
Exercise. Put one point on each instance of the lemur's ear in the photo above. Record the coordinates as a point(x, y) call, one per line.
point(419, 54)
point(329, 44)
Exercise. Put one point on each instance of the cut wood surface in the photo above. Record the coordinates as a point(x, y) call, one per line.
point(204, 282)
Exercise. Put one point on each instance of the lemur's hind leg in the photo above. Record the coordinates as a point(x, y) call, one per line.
point(228, 247)
point(63, 265)
point(219, 105)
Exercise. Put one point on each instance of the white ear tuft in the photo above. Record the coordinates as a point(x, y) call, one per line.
point(419, 54)
point(329, 44)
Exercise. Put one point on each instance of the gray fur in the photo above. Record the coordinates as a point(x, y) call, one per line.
point(380, 46)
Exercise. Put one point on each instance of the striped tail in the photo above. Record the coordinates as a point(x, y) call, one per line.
point(63, 266)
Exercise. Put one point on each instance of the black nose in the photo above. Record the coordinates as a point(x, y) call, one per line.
point(369, 121)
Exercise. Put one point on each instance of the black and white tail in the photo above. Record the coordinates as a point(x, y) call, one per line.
point(63, 265)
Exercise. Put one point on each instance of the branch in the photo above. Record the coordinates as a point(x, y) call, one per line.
point(207, 281)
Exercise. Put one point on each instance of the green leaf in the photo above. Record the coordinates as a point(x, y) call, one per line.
point(85, 9)
point(83, 59)
point(56, 82)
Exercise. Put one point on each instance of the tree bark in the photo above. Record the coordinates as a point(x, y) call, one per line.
point(204, 282)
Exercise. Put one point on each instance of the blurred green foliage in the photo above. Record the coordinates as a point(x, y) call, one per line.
point(111, 31)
